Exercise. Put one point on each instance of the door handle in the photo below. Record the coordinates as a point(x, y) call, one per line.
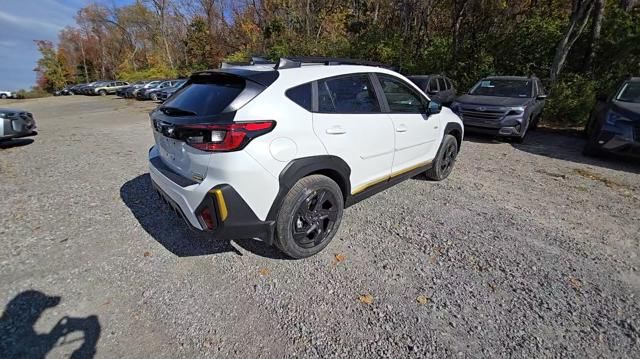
point(402, 128)
point(336, 130)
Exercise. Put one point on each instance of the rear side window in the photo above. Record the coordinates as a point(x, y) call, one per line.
point(207, 95)
point(301, 95)
point(347, 94)
point(433, 84)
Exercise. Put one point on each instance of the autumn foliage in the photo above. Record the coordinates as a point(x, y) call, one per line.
point(568, 42)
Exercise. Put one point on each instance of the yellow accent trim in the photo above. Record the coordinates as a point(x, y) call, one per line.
point(222, 205)
point(364, 186)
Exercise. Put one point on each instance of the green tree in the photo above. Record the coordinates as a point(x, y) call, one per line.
point(52, 68)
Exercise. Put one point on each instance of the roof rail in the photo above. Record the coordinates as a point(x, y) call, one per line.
point(293, 62)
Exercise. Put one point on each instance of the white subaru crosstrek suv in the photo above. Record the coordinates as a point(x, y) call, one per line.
point(276, 152)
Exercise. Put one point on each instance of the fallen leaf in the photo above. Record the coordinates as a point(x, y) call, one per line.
point(340, 257)
point(575, 282)
point(366, 298)
point(264, 272)
point(146, 254)
point(423, 299)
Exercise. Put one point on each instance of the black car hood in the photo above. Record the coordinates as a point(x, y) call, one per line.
point(493, 100)
point(629, 109)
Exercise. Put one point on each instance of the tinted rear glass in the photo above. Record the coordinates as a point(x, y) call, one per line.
point(301, 95)
point(207, 95)
point(347, 94)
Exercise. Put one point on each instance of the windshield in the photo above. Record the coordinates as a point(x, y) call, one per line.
point(502, 88)
point(630, 92)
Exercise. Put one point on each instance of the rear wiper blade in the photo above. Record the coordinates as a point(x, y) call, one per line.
point(175, 111)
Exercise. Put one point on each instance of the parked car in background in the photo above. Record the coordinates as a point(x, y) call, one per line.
point(15, 123)
point(506, 106)
point(65, 91)
point(614, 125)
point(316, 138)
point(107, 87)
point(7, 94)
point(151, 93)
point(122, 92)
point(75, 89)
point(88, 88)
point(132, 92)
point(438, 87)
point(166, 93)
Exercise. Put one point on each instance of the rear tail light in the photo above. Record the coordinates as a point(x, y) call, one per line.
point(223, 137)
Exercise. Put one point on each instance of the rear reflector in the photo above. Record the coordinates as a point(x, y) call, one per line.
point(223, 137)
point(207, 218)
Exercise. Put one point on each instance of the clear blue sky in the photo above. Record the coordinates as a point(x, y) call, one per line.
point(21, 22)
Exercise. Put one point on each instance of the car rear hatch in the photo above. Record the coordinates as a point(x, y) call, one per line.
point(184, 122)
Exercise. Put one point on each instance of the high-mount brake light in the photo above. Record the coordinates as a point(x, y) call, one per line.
point(224, 137)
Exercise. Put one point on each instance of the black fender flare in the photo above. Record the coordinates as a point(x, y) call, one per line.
point(332, 166)
point(453, 127)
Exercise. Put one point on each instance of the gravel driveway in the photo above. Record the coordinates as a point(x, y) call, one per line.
point(525, 251)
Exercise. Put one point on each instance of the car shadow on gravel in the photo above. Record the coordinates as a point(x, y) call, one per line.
point(565, 146)
point(169, 229)
point(19, 142)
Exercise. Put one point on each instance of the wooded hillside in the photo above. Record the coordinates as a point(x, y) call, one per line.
point(579, 47)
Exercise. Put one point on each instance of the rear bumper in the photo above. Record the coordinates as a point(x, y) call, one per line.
point(231, 216)
point(18, 135)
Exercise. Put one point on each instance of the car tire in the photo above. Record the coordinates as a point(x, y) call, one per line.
point(309, 217)
point(520, 139)
point(3, 96)
point(535, 123)
point(154, 97)
point(445, 159)
point(102, 93)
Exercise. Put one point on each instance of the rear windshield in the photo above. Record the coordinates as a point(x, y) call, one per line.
point(503, 88)
point(207, 95)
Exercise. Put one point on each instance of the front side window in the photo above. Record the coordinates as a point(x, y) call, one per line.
point(347, 94)
point(503, 88)
point(400, 97)
point(441, 84)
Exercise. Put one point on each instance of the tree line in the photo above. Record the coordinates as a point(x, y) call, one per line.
point(580, 47)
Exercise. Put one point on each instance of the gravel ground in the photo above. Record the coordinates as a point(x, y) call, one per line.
point(525, 251)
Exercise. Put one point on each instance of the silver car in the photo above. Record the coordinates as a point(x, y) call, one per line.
point(15, 123)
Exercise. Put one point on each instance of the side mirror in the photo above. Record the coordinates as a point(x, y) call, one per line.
point(542, 97)
point(434, 108)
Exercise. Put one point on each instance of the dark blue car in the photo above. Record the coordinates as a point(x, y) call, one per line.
point(614, 125)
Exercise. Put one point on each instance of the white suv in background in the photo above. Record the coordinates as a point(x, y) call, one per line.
point(277, 151)
point(7, 94)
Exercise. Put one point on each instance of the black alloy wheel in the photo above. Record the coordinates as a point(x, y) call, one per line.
point(309, 217)
point(448, 159)
point(445, 159)
point(315, 219)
